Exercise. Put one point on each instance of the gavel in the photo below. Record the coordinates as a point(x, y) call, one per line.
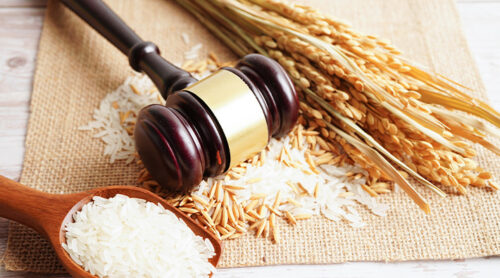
point(206, 126)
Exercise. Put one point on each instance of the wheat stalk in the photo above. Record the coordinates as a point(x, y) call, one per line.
point(353, 85)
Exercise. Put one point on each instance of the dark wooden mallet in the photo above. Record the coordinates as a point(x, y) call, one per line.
point(206, 126)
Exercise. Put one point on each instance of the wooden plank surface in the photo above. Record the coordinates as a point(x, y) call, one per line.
point(20, 25)
point(23, 3)
point(19, 34)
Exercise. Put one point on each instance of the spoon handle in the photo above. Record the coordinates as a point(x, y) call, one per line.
point(143, 56)
point(33, 208)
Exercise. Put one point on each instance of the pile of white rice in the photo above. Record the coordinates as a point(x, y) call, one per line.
point(129, 237)
point(137, 92)
point(337, 193)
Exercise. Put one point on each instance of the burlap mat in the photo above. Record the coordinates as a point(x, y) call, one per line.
point(76, 68)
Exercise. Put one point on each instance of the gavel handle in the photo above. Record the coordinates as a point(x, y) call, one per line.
point(142, 56)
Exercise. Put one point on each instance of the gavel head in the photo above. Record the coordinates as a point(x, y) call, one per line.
point(216, 122)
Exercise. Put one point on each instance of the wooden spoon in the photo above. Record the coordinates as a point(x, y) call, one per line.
point(48, 214)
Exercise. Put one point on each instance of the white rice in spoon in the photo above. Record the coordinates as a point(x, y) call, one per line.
point(129, 237)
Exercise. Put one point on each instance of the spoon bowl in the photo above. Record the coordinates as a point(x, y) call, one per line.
point(48, 214)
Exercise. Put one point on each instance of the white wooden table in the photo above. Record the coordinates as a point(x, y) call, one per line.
point(20, 26)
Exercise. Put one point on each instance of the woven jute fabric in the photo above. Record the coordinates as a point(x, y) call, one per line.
point(76, 68)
